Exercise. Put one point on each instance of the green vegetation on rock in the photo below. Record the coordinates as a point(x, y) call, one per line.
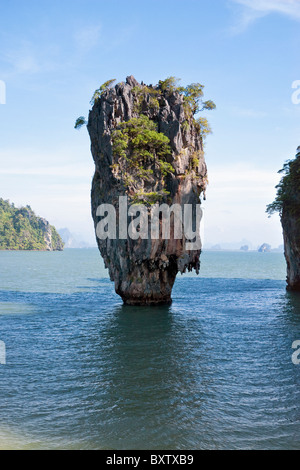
point(140, 150)
point(141, 93)
point(21, 229)
point(192, 96)
point(288, 190)
point(149, 197)
point(137, 140)
point(192, 102)
point(81, 121)
point(99, 92)
point(141, 157)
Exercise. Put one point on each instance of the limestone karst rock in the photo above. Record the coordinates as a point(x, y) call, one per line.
point(287, 203)
point(290, 219)
point(144, 270)
point(22, 229)
point(264, 248)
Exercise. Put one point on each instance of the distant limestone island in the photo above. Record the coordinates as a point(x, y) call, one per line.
point(264, 248)
point(21, 229)
point(73, 240)
point(248, 247)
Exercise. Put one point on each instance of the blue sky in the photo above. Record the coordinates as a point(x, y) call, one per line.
point(54, 54)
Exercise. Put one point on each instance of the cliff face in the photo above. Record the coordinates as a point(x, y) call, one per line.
point(52, 239)
point(291, 237)
point(21, 229)
point(287, 203)
point(144, 270)
point(290, 219)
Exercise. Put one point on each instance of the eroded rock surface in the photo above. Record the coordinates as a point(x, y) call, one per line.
point(287, 203)
point(290, 219)
point(144, 271)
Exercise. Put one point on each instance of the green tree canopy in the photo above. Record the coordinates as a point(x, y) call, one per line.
point(288, 190)
point(21, 229)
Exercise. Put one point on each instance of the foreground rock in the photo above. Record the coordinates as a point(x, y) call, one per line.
point(287, 203)
point(144, 270)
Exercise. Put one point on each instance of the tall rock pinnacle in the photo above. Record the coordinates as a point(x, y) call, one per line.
point(289, 193)
point(147, 145)
point(287, 203)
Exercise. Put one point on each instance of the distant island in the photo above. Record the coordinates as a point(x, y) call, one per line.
point(21, 229)
point(72, 240)
point(233, 246)
point(264, 248)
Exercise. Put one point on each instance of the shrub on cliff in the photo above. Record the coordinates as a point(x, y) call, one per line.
point(288, 190)
point(141, 155)
point(192, 99)
point(139, 148)
point(99, 92)
point(192, 96)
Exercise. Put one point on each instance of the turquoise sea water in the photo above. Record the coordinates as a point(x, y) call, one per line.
point(212, 371)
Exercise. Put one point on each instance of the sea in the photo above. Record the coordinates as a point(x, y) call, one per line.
point(215, 370)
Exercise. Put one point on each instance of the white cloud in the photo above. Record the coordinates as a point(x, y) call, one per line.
point(255, 9)
point(55, 183)
point(248, 113)
point(22, 60)
point(242, 174)
point(64, 171)
point(235, 208)
point(287, 7)
point(27, 58)
point(66, 160)
point(87, 38)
